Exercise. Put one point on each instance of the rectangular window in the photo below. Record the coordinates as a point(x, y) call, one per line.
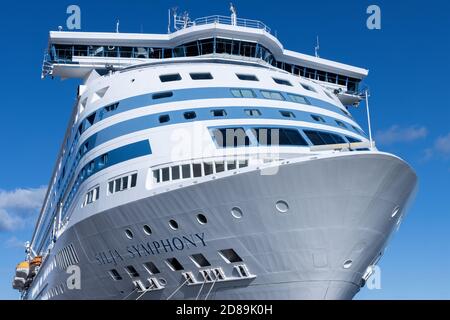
point(323, 138)
point(231, 137)
point(287, 114)
point(170, 77)
point(200, 260)
point(201, 76)
point(220, 167)
point(279, 136)
point(186, 171)
point(341, 124)
point(125, 183)
point(298, 98)
point(164, 118)
point(111, 187)
point(243, 93)
point(165, 174)
point(118, 185)
point(314, 137)
point(111, 107)
point(273, 95)
point(151, 268)
point(246, 77)
point(252, 112)
point(103, 159)
point(174, 264)
point(243, 163)
point(317, 118)
point(91, 196)
point(190, 115)
point(352, 140)
point(230, 255)
point(133, 180)
point(219, 113)
point(307, 87)
point(231, 165)
point(208, 167)
point(175, 172)
point(96, 193)
point(282, 82)
point(161, 95)
point(115, 275)
point(156, 176)
point(197, 170)
point(132, 271)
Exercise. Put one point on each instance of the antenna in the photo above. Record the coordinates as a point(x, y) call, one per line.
point(317, 47)
point(168, 21)
point(233, 14)
point(367, 94)
point(117, 26)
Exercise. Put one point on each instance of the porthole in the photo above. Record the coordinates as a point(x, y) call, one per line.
point(147, 229)
point(347, 264)
point(282, 206)
point(129, 234)
point(236, 212)
point(201, 218)
point(162, 281)
point(395, 212)
point(173, 224)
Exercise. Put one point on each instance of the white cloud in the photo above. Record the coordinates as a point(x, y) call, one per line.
point(442, 144)
point(441, 147)
point(14, 242)
point(9, 222)
point(18, 206)
point(397, 133)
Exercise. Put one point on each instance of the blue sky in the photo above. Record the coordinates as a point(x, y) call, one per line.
point(409, 65)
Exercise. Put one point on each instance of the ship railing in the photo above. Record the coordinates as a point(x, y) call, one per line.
point(240, 22)
point(355, 146)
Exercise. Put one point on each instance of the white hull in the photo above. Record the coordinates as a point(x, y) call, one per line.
point(340, 209)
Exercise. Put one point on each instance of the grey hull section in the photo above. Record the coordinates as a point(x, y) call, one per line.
point(308, 232)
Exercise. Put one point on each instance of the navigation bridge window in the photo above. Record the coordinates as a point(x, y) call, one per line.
point(231, 137)
point(323, 138)
point(279, 136)
point(63, 53)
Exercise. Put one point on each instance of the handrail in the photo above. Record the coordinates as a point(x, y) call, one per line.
point(240, 22)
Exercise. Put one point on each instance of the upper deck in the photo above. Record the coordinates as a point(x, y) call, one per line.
point(76, 54)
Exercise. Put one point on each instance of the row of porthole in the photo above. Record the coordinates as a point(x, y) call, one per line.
point(236, 212)
point(173, 224)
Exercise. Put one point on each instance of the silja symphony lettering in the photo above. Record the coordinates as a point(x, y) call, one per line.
point(113, 256)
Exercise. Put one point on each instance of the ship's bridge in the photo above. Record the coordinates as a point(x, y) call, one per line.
point(76, 54)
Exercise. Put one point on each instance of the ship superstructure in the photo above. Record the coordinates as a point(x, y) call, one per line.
point(211, 162)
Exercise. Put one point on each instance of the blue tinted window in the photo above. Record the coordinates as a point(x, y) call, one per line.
point(231, 137)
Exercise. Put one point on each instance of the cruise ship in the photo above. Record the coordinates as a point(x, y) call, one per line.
point(210, 163)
